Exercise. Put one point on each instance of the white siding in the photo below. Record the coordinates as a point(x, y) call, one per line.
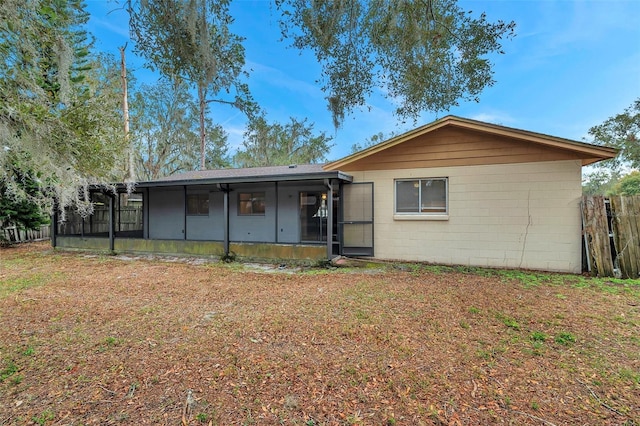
point(523, 215)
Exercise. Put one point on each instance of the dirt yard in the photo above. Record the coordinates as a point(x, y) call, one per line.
point(104, 340)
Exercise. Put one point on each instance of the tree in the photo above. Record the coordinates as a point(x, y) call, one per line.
point(192, 41)
point(600, 182)
point(58, 114)
point(165, 133)
point(621, 131)
point(371, 141)
point(424, 54)
point(217, 149)
point(21, 210)
point(628, 184)
point(277, 145)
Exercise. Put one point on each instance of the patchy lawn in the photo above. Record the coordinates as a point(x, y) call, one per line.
point(89, 339)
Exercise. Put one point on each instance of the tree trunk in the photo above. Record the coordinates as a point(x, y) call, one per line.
point(130, 174)
point(203, 105)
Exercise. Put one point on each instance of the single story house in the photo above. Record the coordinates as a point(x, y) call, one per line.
point(455, 191)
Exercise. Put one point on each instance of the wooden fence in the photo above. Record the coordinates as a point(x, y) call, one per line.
point(13, 234)
point(126, 219)
point(612, 235)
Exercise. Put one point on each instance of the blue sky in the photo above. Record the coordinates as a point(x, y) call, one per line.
point(572, 65)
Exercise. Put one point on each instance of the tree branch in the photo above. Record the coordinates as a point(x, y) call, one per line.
point(220, 101)
point(595, 396)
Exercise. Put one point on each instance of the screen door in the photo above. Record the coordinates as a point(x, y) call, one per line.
point(356, 224)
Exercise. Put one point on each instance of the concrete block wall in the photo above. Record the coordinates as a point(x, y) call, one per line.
point(508, 215)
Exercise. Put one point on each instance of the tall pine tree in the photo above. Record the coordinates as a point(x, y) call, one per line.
point(58, 113)
point(21, 211)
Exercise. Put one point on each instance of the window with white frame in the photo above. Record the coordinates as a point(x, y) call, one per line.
point(421, 196)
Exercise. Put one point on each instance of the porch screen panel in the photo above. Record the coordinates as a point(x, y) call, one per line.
point(358, 235)
point(357, 219)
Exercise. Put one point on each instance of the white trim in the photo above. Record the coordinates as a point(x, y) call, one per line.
point(438, 217)
point(397, 214)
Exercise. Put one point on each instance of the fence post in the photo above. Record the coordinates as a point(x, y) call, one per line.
point(596, 228)
point(625, 210)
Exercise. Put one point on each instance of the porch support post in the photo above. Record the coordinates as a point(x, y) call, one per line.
point(111, 233)
point(277, 238)
point(119, 211)
point(329, 185)
point(226, 220)
point(145, 213)
point(184, 227)
point(54, 225)
point(82, 219)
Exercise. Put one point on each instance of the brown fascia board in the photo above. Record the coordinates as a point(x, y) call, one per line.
point(591, 153)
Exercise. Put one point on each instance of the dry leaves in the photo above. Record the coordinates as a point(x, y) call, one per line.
point(102, 340)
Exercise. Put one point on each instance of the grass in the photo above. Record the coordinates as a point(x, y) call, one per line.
point(8, 371)
point(16, 284)
point(11, 369)
point(110, 341)
point(474, 310)
point(533, 279)
point(508, 321)
point(565, 338)
point(121, 342)
point(629, 375)
point(43, 417)
point(538, 336)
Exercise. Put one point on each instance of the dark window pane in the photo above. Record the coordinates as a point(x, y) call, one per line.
point(198, 204)
point(244, 207)
point(258, 203)
point(192, 204)
point(203, 202)
point(251, 203)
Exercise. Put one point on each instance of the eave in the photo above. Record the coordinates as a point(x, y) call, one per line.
point(247, 179)
point(588, 153)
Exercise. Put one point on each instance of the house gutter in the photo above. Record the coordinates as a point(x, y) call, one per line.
point(248, 179)
point(329, 186)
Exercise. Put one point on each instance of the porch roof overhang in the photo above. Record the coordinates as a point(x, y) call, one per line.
point(306, 172)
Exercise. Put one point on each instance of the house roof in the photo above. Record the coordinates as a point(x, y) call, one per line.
point(249, 175)
point(588, 153)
